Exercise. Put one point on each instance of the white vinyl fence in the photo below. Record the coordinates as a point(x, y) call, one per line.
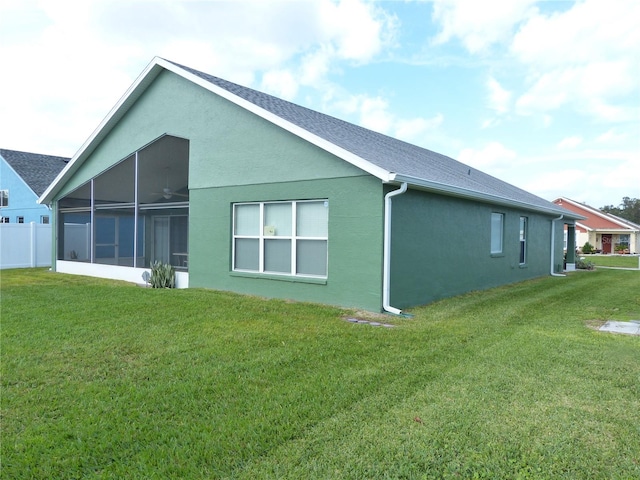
point(24, 245)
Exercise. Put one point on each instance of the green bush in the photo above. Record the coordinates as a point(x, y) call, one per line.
point(163, 275)
point(583, 264)
point(588, 248)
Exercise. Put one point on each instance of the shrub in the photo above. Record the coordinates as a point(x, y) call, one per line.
point(588, 248)
point(583, 264)
point(163, 275)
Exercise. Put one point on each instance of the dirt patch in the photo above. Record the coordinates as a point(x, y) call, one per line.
point(595, 324)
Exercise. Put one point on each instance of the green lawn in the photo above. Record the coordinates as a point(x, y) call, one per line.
point(626, 261)
point(106, 380)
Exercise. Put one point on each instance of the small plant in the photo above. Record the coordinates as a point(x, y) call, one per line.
point(163, 275)
point(621, 248)
point(587, 248)
point(583, 264)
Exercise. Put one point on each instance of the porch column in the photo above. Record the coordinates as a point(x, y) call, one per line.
point(571, 247)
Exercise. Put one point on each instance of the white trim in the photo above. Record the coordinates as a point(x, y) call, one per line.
point(293, 237)
point(149, 74)
point(113, 272)
point(606, 230)
point(491, 234)
point(129, 97)
point(355, 160)
point(473, 195)
point(595, 212)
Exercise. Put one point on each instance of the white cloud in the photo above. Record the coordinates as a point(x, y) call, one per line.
point(415, 128)
point(280, 83)
point(374, 114)
point(76, 59)
point(493, 158)
point(478, 24)
point(611, 136)
point(355, 40)
point(584, 58)
point(570, 142)
point(499, 98)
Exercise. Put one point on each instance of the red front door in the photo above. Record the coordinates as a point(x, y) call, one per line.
point(606, 243)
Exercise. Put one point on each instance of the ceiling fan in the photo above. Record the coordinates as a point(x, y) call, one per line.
point(167, 192)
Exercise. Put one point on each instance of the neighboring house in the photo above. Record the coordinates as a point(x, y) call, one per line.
point(23, 178)
point(245, 192)
point(602, 230)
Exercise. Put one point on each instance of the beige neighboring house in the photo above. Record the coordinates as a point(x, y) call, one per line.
point(602, 230)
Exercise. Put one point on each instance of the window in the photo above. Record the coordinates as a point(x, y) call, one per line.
point(44, 219)
point(4, 219)
point(497, 229)
point(625, 239)
point(523, 240)
point(4, 199)
point(19, 219)
point(286, 238)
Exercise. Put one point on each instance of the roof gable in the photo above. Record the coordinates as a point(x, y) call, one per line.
point(595, 219)
point(36, 170)
point(384, 157)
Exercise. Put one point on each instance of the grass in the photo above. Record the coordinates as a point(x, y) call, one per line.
point(625, 261)
point(106, 380)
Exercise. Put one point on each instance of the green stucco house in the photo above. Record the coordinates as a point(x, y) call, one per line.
point(245, 192)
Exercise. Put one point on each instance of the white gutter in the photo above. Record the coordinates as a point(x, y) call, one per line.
point(553, 241)
point(386, 274)
point(460, 192)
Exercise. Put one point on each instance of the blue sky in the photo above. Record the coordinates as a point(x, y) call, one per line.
point(544, 95)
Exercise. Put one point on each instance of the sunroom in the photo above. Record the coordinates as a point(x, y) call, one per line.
point(132, 214)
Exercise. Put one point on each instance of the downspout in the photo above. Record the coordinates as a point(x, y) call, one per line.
point(553, 241)
point(386, 274)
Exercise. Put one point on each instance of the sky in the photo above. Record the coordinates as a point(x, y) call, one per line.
point(543, 95)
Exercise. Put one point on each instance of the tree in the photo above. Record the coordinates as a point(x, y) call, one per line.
point(629, 209)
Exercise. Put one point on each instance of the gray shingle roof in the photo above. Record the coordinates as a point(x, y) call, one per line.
point(37, 170)
point(388, 153)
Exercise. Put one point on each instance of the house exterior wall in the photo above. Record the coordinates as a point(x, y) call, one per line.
point(236, 156)
point(354, 275)
point(441, 247)
point(22, 200)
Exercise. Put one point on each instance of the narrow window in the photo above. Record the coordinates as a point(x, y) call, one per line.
point(285, 238)
point(4, 198)
point(497, 230)
point(523, 240)
point(20, 219)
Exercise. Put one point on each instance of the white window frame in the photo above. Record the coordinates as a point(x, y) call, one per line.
point(19, 219)
point(263, 235)
point(4, 198)
point(523, 228)
point(44, 219)
point(497, 234)
point(4, 219)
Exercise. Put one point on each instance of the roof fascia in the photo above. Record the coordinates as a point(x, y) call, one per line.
point(582, 225)
point(151, 71)
point(482, 197)
point(320, 142)
point(595, 211)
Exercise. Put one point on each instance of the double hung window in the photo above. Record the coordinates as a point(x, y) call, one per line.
point(285, 238)
point(4, 198)
point(523, 240)
point(497, 233)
